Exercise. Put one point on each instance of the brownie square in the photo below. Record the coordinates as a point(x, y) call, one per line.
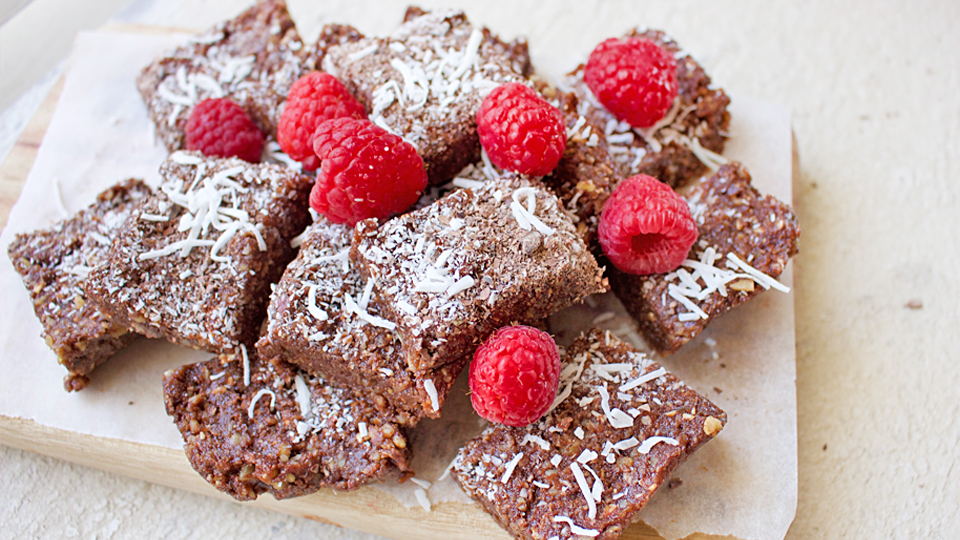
point(734, 223)
point(425, 83)
point(55, 262)
point(311, 323)
point(620, 425)
point(251, 59)
point(682, 146)
point(195, 261)
point(251, 427)
point(450, 274)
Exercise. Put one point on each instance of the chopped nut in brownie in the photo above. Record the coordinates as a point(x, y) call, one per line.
point(620, 425)
point(426, 82)
point(448, 275)
point(251, 427)
point(252, 59)
point(685, 143)
point(55, 262)
point(321, 319)
point(195, 262)
point(745, 240)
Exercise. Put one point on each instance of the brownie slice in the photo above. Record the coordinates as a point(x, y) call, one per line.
point(251, 427)
point(195, 262)
point(426, 82)
point(745, 241)
point(321, 319)
point(685, 143)
point(55, 262)
point(620, 425)
point(251, 59)
point(450, 274)
point(587, 173)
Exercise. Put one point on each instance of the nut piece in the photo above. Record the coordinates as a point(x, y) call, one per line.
point(712, 426)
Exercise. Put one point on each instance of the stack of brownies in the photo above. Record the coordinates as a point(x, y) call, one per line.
point(333, 341)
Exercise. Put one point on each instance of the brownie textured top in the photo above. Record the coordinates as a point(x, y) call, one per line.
point(426, 82)
point(54, 263)
point(681, 146)
point(252, 59)
point(195, 262)
point(321, 319)
point(448, 275)
point(251, 427)
point(745, 241)
point(619, 426)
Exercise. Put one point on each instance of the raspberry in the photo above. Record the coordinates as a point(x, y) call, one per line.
point(365, 172)
point(634, 78)
point(645, 227)
point(520, 131)
point(514, 375)
point(221, 128)
point(315, 97)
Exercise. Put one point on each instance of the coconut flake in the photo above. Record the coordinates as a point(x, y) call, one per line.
point(617, 418)
point(649, 443)
point(431, 390)
point(643, 379)
point(576, 529)
point(256, 397)
point(585, 489)
point(511, 465)
point(539, 441)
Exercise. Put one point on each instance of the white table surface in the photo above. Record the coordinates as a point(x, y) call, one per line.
point(874, 88)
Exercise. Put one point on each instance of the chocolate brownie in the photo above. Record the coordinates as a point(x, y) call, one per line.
point(251, 59)
point(54, 263)
point(620, 425)
point(321, 319)
point(251, 427)
point(448, 275)
point(685, 143)
point(195, 262)
point(587, 173)
point(745, 240)
point(426, 82)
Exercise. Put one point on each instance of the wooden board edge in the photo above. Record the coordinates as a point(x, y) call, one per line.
point(352, 510)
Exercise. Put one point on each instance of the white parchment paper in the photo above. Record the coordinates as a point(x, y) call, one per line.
point(743, 483)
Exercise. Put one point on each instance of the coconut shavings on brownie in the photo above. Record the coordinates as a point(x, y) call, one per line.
point(321, 319)
point(745, 241)
point(195, 262)
point(252, 59)
point(426, 82)
point(620, 425)
point(450, 274)
point(683, 144)
point(282, 431)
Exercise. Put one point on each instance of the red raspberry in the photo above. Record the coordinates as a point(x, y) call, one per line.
point(520, 131)
point(645, 227)
point(514, 375)
point(365, 172)
point(634, 78)
point(221, 128)
point(314, 98)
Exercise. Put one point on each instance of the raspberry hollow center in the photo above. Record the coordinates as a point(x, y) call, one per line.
point(644, 243)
